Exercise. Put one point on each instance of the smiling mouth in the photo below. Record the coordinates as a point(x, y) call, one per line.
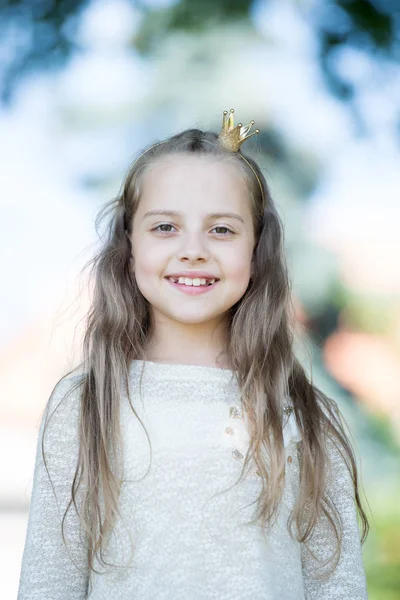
point(192, 289)
point(200, 281)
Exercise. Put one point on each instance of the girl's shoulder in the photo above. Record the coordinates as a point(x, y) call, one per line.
point(63, 406)
point(336, 438)
point(66, 391)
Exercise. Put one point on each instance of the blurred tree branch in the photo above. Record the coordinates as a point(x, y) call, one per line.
point(41, 34)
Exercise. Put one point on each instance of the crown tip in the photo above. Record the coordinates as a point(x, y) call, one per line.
point(231, 136)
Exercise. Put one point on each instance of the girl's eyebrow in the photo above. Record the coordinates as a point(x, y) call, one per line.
point(173, 213)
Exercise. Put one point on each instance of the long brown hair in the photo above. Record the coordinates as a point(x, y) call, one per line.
point(260, 349)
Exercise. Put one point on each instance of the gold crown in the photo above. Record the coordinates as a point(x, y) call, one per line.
point(233, 137)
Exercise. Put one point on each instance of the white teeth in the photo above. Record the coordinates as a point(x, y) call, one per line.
point(197, 281)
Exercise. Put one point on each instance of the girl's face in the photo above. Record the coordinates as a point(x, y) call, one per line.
point(195, 234)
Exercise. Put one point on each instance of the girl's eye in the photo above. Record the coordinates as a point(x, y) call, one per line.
point(158, 228)
point(162, 225)
point(222, 227)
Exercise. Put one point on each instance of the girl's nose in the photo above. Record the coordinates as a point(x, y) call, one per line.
point(194, 247)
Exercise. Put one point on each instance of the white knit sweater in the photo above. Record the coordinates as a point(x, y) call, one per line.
point(189, 533)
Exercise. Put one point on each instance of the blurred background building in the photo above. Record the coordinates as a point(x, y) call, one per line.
point(85, 85)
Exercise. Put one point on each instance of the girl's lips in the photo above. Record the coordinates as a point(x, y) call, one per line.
point(192, 290)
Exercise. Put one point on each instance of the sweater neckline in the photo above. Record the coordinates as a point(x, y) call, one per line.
point(165, 371)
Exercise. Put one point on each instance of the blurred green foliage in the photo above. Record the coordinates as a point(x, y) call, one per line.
point(41, 34)
point(381, 553)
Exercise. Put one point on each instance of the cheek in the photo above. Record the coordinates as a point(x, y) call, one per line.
point(149, 260)
point(237, 266)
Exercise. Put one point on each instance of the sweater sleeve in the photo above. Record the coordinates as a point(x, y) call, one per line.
point(49, 569)
point(348, 579)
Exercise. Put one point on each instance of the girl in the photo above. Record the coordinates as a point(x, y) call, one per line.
point(191, 458)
